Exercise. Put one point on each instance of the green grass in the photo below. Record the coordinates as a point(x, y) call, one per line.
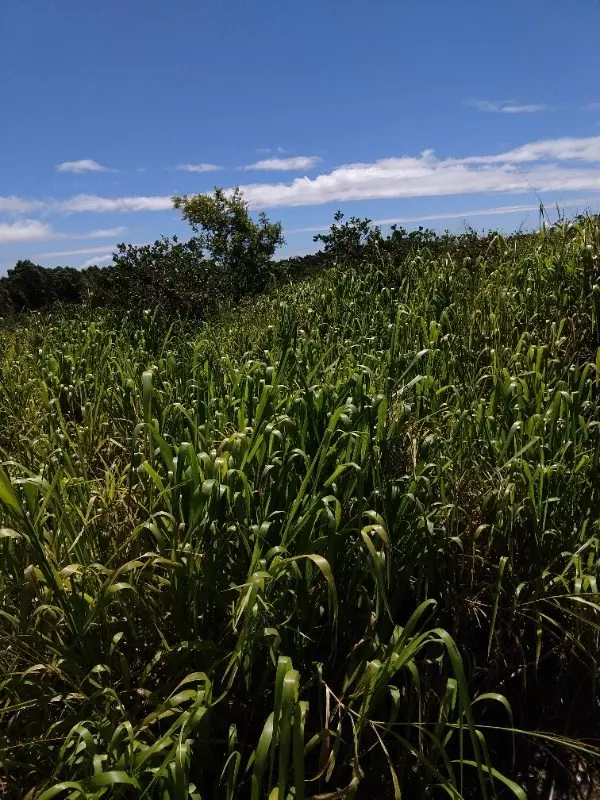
point(341, 543)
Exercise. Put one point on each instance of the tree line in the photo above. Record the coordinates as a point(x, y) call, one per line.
point(230, 256)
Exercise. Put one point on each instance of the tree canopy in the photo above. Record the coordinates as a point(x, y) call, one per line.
point(240, 247)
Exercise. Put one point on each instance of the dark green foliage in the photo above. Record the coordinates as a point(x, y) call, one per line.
point(350, 241)
point(299, 267)
point(168, 274)
point(29, 287)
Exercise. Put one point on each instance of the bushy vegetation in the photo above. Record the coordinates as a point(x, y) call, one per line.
point(229, 258)
point(342, 542)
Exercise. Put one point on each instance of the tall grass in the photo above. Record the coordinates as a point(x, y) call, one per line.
point(343, 543)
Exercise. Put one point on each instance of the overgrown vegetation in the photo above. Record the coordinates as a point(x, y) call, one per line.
point(341, 542)
point(230, 257)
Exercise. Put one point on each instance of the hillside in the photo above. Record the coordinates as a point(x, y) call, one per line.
point(340, 542)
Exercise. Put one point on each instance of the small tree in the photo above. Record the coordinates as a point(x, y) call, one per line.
point(240, 247)
point(347, 242)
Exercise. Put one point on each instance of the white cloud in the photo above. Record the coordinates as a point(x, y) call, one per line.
point(83, 203)
point(553, 165)
point(32, 230)
point(27, 230)
point(91, 262)
point(507, 106)
point(592, 107)
point(83, 165)
point(198, 167)
point(20, 205)
point(426, 176)
point(285, 164)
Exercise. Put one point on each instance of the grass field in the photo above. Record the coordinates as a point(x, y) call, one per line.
point(342, 542)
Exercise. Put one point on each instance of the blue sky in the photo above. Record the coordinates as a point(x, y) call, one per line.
point(431, 112)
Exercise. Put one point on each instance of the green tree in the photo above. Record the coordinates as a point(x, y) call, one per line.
point(240, 247)
point(171, 275)
point(30, 287)
point(347, 241)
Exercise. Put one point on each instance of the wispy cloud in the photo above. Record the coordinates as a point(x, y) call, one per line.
point(592, 107)
point(533, 108)
point(94, 204)
point(284, 164)
point(83, 203)
point(27, 230)
point(32, 230)
point(80, 251)
point(507, 106)
point(102, 233)
point(580, 202)
point(83, 165)
point(584, 149)
point(266, 150)
point(20, 205)
point(198, 167)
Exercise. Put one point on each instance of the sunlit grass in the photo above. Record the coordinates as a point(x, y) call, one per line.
point(340, 543)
